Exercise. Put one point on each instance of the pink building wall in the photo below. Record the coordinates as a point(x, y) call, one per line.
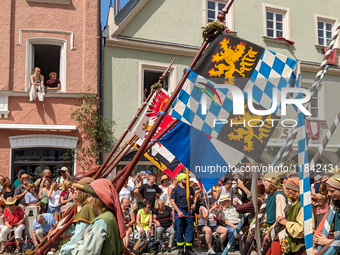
point(79, 18)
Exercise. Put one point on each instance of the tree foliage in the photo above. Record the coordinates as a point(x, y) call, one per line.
point(96, 131)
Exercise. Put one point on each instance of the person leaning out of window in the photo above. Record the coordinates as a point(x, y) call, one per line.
point(53, 82)
point(37, 85)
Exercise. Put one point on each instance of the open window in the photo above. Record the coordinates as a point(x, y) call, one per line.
point(50, 55)
point(150, 74)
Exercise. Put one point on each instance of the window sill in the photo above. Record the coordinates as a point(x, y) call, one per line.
point(320, 47)
point(67, 2)
point(270, 39)
point(47, 94)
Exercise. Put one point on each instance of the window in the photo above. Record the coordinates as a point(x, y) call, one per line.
point(47, 57)
point(275, 25)
point(4, 106)
point(276, 21)
point(151, 77)
point(324, 33)
point(50, 55)
point(324, 27)
point(315, 106)
point(150, 74)
point(213, 8)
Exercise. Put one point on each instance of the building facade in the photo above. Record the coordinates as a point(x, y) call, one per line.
point(57, 36)
point(146, 35)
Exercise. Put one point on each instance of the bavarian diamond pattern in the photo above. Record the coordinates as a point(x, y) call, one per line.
point(272, 71)
point(189, 110)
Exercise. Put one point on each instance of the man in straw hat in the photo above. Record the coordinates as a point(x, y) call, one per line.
point(14, 221)
point(104, 235)
point(21, 191)
point(164, 186)
point(83, 218)
point(184, 225)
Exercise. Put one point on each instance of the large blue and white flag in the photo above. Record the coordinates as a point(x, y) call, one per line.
point(231, 96)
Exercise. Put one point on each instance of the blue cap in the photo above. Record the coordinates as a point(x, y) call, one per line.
point(148, 172)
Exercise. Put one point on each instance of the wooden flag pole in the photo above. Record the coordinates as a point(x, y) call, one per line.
point(221, 18)
point(121, 150)
point(103, 166)
point(118, 157)
point(171, 125)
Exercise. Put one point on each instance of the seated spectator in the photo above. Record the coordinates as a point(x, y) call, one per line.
point(129, 218)
point(66, 196)
point(144, 220)
point(37, 85)
point(126, 192)
point(14, 221)
point(43, 195)
point(2, 218)
point(53, 195)
point(64, 176)
point(21, 191)
point(321, 207)
point(31, 197)
point(230, 217)
point(317, 183)
point(39, 183)
point(208, 229)
point(17, 181)
point(42, 224)
point(53, 82)
point(163, 216)
point(7, 191)
point(2, 182)
point(226, 189)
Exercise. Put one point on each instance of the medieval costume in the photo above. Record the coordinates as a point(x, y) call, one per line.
point(82, 220)
point(104, 235)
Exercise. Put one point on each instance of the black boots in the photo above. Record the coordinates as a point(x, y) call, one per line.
point(189, 251)
point(180, 250)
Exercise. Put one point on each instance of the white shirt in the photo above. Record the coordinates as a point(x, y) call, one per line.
point(54, 200)
point(164, 195)
point(212, 221)
point(125, 193)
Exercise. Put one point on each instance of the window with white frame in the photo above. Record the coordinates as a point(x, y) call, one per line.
point(49, 54)
point(324, 32)
point(313, 107)
point(213, 9)
point(275, 24)
point(150, 74)
point(276, 21)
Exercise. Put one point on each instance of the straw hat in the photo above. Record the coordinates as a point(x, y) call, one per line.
point(24, 176)
point(224, 197)
point(10, 201)
point(164, 177)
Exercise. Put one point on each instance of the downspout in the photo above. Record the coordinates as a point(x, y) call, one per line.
point(99, 65)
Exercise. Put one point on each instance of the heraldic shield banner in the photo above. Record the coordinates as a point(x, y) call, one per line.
point(228, 98)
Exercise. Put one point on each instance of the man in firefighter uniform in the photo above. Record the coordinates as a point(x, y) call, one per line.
point(184, 220)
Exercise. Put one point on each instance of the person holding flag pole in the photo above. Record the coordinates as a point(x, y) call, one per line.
point(184, 223)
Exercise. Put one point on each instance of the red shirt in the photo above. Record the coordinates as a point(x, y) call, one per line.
point(15, 217)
